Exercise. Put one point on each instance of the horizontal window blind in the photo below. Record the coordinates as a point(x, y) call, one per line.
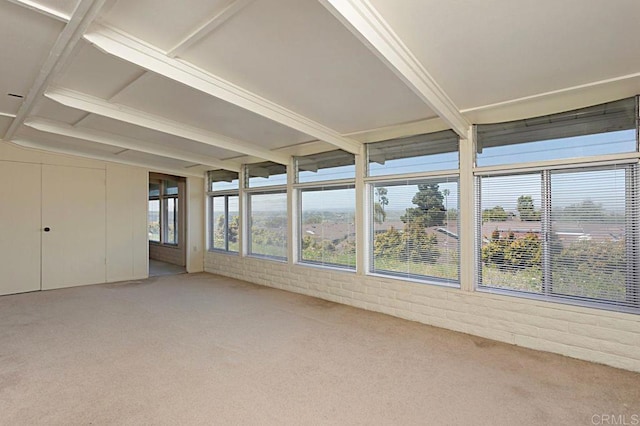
point(266, 173)
point(588, 247)
point(509, 213)
point(413, 154)
point(331, 165)
point(268, 224)
point(327, 226)
point(225, 221)
point(598, 130)
point(222, 180)
point(570, 233)
point(415, 229)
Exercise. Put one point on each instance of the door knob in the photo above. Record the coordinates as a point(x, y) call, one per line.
point(47, 229)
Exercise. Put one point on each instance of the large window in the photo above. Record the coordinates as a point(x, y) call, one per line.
point(415, 229)
point(224, 211)
point(267, 213)
point(327, 203)
point(562, 230)
point(414, 220)
point(163, 215)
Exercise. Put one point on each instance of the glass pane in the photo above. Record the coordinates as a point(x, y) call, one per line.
point(266, 174)
point(170, 187)
point(234, 223)
point(328, 227)
point(414, 154)
point(332, 165)
point(154, 189)
point(268, 225)
point(222, 180)
point(153, 221)
point(430, 163)
point(171, 230)
point(219, 221)
point(587, 245)
point(556, 149)
point(511, 232)
point(415, 228)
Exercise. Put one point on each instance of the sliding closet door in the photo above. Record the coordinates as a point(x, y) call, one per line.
point(74, 226)
point(19, 227)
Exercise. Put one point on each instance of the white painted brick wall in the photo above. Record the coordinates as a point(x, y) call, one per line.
point(596, 335)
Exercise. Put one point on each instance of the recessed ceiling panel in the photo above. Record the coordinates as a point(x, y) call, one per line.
point(162, 139)
point(159, 161)
point(47, 108)
point(295, 53)
point(62, 6)
point(27, 38)
point(66, 143)
point(98, 74)
point(5, 122)
point(177, 102)
point(162, 23)
point(493, 51)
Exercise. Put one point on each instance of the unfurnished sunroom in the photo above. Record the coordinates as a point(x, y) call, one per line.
point(473, 167)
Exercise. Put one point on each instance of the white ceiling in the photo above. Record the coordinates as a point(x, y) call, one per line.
point(236, 81)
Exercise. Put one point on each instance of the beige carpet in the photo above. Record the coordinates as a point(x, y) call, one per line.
point(201, 349)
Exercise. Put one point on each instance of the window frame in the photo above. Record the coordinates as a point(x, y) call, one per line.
point(226, 194)
point(321, 186)
point(248, 194)
point(409, 179)
point(163, 217)
point(629, 160)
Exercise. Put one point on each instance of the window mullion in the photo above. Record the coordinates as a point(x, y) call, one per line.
point(545, 225)
point(632, 233)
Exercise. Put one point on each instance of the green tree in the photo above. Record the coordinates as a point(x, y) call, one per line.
point(379, 215)
point(512, 253)
point(496, 214)
point(430, 210)
point(527, 210)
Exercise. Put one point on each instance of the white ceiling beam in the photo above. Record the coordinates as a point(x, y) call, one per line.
point(129, 49)
point(208, 27)
point(7, 114)
point(105, 138)
point(84, 14)
point(364, 21)
point(123, 113)
point(26, 143)
point(43, 10)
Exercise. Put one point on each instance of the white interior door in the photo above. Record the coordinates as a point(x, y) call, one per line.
point(74, 226)
point(19, 227)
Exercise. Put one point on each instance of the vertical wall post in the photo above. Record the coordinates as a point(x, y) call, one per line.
point(467, 212)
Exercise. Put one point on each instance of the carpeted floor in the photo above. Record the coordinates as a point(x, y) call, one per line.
point(158, 268)
point(202, 349)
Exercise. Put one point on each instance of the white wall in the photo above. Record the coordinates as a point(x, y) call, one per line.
point(591, 334)
point(126, 215)
point(196, 224)
point(127, 193)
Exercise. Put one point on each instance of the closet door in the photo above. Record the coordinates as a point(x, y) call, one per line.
point(19, 227)
point(74, 226)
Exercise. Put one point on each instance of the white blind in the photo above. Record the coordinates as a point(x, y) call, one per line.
point(268, 224)
point(266, 173)
point(219, 180)
point(562, 233)
point(603, 118)
point(327, 228)
point(331, 165)
point(415, 229)
point(419, 153)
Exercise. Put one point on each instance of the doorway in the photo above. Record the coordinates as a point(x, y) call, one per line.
point(166, 224)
